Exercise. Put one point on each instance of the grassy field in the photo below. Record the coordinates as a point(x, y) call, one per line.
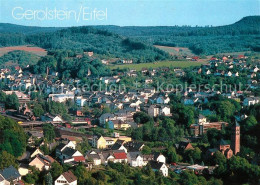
point(35, 50)
point(138, 67)
point(175, 50)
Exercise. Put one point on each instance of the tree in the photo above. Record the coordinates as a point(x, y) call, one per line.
point(172, 155)
point(219, 158)
point(12, 102)
point(188, 178)
point(141, 117)
point(38, 110)
point(56, 170)
point(48, 179)
point(146, 150)
point(82, 174)
point(83, 146)
point(7, 160)
point(12, 137)
point(48, 132)
point(225, 109)
point(249, 123)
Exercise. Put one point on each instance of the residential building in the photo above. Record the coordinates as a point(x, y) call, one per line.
point(66, 178)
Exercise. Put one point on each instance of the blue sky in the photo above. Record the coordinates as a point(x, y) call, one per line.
point(135, 12)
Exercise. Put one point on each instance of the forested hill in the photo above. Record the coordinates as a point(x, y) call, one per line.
point(136, 42)
point(87, 38)
point(13, 28)
point(243, 35)
point(247, 25)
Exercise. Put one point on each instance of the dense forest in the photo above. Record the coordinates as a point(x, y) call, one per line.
point(90, 39)
point(135, 43)
point(18, 58)
point(243, 35)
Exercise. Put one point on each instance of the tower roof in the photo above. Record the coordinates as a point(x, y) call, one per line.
point(223, 142)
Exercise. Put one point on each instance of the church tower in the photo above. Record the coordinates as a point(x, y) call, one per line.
point(235, 138)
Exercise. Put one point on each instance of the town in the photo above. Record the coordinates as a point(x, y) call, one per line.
point(71, 135)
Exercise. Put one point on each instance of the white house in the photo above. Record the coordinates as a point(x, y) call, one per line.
point(93, 156)
point(57, 118)
point(135, 159)
point(36, 152)
point(157, 110)
point(250, 101)
point(159, 166)
point(61, 97)
point(162, 100)
point(159, 157)
point(67, 178)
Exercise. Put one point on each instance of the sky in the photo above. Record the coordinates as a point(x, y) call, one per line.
point(126, 12)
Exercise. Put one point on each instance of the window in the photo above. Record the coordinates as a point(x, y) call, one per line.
point(60, 181)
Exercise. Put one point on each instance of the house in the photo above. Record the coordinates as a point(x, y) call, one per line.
point(66, 178)
point(62, 147)
point(94, 157)
point(135, 159)
point(107, 156)
point(9, 175)
point(159, 166)
point(133, 146)
point(162, 100)
point(105, 118)
point(99, 142)
point(159, 157)
point(119, 145)
point(71, 155)
point(61, 97)
point(42, 162)
point(120, 157)
point(251, 101)
point(36, 152)
point(157, 110)
point(184, 145)
point(51, 118)
point(23, 169)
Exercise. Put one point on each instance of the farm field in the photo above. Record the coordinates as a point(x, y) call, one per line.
point(35, 50)
point(138, 67)
point(175, 50)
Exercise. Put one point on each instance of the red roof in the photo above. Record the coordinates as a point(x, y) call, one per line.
point(120, 155)
point(196, 58)
point(79, 158)
point(68, 125)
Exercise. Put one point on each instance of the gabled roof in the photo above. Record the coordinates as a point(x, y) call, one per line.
point(69, 176)
point(156, 165)
point(92, 156)
point(60, 146)
point(213, 150)
point(133, 146)
point(1, 178)
point(156, 155)
point(79, 158)
point(10, 173)
point(134, 155)
point(120, 155)
point(223, 142)
point(68, 151)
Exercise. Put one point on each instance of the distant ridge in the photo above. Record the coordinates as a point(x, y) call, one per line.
point(250, 21)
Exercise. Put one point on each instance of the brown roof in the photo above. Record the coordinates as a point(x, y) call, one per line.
point(69, 176)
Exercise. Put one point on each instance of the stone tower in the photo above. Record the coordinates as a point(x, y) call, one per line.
point(235, 138)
